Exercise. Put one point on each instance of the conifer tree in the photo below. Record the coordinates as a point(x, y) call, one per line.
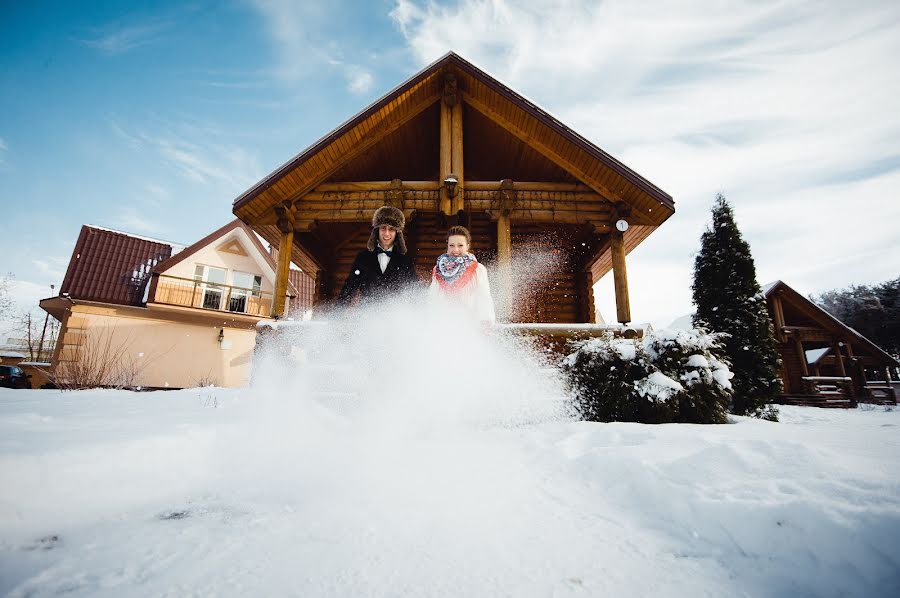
point(729, 300)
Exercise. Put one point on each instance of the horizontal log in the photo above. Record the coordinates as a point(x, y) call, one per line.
point(378, 186)
point(304, 206)
point(530, 186)
point(479, 205)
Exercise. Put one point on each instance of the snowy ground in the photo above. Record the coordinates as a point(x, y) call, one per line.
point(224, 492)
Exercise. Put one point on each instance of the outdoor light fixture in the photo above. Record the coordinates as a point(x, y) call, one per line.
point(622, 225)
point(450, 182)
point(221, 334)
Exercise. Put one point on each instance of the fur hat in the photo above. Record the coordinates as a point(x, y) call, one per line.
point(392, 217)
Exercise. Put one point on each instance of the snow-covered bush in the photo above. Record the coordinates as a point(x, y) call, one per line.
point(668, 376)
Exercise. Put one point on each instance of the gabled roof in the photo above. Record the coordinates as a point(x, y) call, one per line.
point(828, 321)
point(212, 237)
point(111, 266)
point(584, 160)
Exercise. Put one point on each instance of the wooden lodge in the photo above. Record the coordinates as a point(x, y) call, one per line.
point(824, 361)
point(453, 145)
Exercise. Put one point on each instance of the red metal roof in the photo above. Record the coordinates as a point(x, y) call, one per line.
point(112, 267)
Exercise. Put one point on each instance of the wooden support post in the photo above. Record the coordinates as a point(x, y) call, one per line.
point(801, 355)
point(839, 357)
point(504, 265)
point(446, 160)
point(281, 275)
point(620, 277)
point(778, 316)
point(456, 156)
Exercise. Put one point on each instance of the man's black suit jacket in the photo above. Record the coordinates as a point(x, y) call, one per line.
point(371, 283)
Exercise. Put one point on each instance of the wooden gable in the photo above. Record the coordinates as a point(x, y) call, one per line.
point(520, 172)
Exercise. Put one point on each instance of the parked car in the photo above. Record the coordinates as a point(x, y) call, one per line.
point(14, 377)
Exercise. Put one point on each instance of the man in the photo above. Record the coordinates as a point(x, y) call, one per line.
point(383, 267)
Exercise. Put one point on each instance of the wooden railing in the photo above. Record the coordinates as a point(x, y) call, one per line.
point(831, 387)
point(172, 290)
point(880, 392)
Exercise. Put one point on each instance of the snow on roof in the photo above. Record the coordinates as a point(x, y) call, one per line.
point(813, 355)
point(768, 287)
point(176, 247)
point(12, 354)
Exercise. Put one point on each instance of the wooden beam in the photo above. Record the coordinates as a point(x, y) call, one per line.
point(285, 246)
point(839, 357)
point(504, 265)
point(532, 186)
point(778, 316)
point(550, 152)
point(376, 186)
point(323, 204)
point(801, 355)
point(620, 277)
point(446, 160)
point(456, 156)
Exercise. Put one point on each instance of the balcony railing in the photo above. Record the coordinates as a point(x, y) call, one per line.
point(172, 290)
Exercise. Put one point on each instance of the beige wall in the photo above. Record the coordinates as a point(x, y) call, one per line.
point(210, 255)
point(164, 350)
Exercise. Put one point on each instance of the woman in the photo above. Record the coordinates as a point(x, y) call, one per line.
point(458, 276)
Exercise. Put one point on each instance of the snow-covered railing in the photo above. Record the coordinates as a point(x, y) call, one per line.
point(555, 335)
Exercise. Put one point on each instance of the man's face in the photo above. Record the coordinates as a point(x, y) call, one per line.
point(386, 234)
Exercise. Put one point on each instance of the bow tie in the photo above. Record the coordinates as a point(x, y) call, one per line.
point(389, 253)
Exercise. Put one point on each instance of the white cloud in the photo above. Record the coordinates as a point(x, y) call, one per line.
point(118, 40)
point(785, 106)
point(198, 152)
point(3, 149)
point(296, 30)
point(359, 80)
point(129, 219)
point(51, 267)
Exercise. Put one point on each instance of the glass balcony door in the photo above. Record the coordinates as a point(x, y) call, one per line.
point(211, 281)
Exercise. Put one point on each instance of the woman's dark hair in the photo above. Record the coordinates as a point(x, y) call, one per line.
point(461, 231)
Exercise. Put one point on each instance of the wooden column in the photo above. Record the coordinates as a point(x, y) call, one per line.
point(446, 159)
point(620, 276)
point(281, 274)
point(839, 357)
point(504, 261)
point(778, 315)
point(456, 156)
point(801, 355)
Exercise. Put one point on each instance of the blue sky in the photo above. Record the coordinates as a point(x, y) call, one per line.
point(152, 117)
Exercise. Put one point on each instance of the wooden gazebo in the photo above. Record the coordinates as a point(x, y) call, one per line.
point(454, 145)
point(824, 361)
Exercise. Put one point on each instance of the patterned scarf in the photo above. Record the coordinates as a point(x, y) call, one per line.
point(454, 272)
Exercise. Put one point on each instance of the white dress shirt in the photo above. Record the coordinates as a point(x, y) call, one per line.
point(383, 258)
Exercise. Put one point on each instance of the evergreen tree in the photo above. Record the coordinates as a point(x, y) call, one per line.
point(729, 300)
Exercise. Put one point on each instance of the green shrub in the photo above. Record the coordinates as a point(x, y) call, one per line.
point(668, 376)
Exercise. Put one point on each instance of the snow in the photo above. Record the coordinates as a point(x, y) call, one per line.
point(697, 361)
point(213, 492)
point(378, 459)
point(658, 387)
point(813, 355)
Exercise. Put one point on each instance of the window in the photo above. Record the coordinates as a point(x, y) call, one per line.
point(211, 281)
point(245, 285)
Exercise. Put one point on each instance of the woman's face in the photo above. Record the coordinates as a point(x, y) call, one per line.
point(457, 245)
